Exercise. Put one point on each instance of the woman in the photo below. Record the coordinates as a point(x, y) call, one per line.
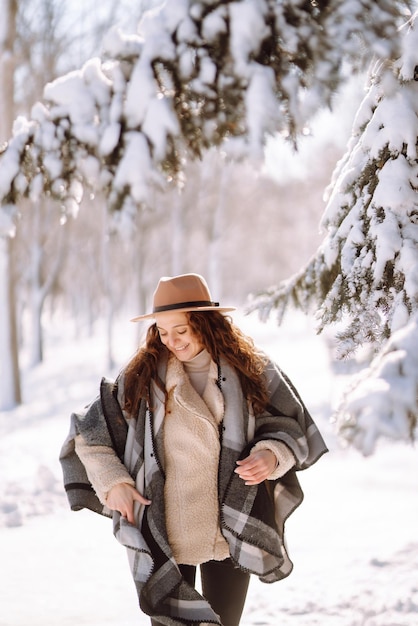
point(194, 451)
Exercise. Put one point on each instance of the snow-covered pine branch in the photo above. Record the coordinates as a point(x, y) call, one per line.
point(367, 266)
point(201, 73)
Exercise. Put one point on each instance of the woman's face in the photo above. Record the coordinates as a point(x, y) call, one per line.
point(177, 336)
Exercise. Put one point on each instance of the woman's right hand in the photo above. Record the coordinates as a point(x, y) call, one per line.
point(122, 498)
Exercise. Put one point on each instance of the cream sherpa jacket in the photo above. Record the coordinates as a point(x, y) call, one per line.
point(191, 458)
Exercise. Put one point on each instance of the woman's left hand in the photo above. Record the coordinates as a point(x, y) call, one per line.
point(256, 467)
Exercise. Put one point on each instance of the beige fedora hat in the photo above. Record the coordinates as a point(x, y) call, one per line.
point(187, 292)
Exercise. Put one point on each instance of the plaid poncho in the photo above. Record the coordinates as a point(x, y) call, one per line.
point(252, 517)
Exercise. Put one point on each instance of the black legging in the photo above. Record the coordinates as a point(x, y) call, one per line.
point(223, 585)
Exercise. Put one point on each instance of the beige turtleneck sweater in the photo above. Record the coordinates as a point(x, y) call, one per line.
point(197, 370)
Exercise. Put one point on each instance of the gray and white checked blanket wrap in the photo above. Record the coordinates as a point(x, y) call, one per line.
point(252, 517)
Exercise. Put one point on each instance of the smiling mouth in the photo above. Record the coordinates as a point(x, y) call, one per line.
point(182, 348)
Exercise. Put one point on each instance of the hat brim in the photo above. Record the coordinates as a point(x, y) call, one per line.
point(218, 309)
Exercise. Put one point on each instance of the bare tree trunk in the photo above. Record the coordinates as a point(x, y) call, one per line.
point(215, 240)
point(177, 237)
point(10, 394)
point(107, 287)
point(41, 282)
point(139, 265)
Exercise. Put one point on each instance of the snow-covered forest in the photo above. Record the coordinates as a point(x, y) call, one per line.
point(270, 145)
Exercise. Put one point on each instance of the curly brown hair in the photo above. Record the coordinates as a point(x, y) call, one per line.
point(221, 337)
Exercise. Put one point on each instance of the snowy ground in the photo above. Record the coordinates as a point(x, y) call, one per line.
point(354, 540)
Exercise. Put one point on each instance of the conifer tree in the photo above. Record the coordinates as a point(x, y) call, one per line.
point(365, 274)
